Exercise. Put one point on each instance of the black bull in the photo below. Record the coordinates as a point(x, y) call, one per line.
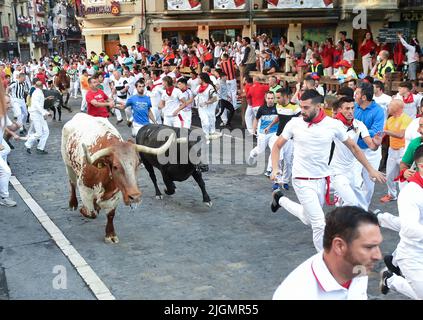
point(179, 167)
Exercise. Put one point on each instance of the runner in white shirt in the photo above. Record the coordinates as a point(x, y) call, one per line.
point(172, 102)
point(120, 89)
point(409, 252)
point(194, 81)
point(167, 72)
point(312, 134)
point(380, 97)
point(343, 160)
point(206, 99)
point(411, 101)
point(185, 114)
point(155, 94)
point(351, 249)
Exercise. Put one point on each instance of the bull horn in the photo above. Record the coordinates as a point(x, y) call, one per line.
point(99, 154)
point(156, 151)
point(182, 140)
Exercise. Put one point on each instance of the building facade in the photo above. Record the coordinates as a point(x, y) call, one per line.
point(8, 30)
point(224, 20)
point(107, 23)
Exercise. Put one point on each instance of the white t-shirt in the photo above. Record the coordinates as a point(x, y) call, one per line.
point(4, 122)
point(410, 208)
point(170, 74)
point(202, 97)
point(411, 132)
point(343, 159)
point(155, 93)
point(410, 108)
point(349, 55)
point(194, 84)
point(384, 100)
point(187, 95)
point(172, 102)
point(312, 145)
point(312, 280)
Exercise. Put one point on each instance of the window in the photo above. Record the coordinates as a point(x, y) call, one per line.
point(22, 10)
point(225, 35)
point(10, 19)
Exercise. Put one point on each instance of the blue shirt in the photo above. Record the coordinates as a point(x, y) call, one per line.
point(140, 106)
point(266, 115)
point(373, 117)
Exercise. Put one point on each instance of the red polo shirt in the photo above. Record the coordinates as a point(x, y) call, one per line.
point(99, 96)
point(256, 94)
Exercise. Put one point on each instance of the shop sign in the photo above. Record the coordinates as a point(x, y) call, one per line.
point(289, 4)
point(185, 5)
point(229, 4)
point(113, 9)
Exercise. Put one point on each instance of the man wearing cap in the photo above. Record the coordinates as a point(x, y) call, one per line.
point(345, 71)
point(270, 65)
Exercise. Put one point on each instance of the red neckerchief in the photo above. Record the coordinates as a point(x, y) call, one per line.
point(344, 120)
point(318, 118)
point(169, 91)
point(417, 178)
point(203, 88)
point(183, 90)
point(409, 99)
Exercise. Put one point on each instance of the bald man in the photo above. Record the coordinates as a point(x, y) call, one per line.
point(395, 128)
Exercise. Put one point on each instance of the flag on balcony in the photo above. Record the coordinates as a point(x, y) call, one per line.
point(309, 4)
point(184, 5)
point(229, 4)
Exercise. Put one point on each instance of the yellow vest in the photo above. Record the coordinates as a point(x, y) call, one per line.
point(381, 69)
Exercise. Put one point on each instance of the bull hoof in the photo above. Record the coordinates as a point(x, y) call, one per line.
point(209, 204)
point(169, 193)
point(111, 239)
point(86, 214)
point(160, 197)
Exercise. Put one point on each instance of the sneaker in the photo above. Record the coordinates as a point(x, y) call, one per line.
point(119, 121)
point(275, 186)
point(286, 186)
point(391, 267)
point(268, 173)
point(275, 202)
point(7, 202)
point(251, 160)
point(28, 150)
point(41, 151)
point(387, 198)
point(222, 124)
point(129, 123)
point(385, 275)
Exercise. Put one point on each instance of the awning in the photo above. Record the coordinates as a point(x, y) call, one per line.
point(107, 30)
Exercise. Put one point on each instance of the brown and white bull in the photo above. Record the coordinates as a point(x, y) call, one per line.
point(103, 166)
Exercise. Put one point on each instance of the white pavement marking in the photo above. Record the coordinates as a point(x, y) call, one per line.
point(95, 284)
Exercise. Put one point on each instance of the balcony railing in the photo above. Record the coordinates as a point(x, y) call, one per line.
point(370, 4)
point(24, 29)
point(39, 38)
point(410, 3)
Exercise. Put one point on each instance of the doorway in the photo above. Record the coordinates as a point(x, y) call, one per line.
point(111, 42)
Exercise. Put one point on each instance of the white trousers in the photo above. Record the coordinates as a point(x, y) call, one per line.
point(41, 132)
point(393, 169)
point(128, 111)
point(186, 117)
point(232, 89)
point(135, 128)
point(157, 114)
point(84, 101)
point(250, 114)
point(367, 64)
point(172, 121)
point(345, 188)
point(287, 156)
point(311, 194)
point(5, 172)
point(411, 284)
point(362, 178)
point(20, 111)
point(208, 119)
point(263, 140)
point(74, 86)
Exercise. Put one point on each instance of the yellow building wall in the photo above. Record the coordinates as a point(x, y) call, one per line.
point(94, 43)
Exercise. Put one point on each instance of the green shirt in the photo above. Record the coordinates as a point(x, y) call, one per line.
point(275, 88)
point(408, 157)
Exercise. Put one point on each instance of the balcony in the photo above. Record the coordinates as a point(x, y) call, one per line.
point(410, 4)
point(24, 29)
point(39, 38)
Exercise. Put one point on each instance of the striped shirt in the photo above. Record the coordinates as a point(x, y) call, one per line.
point(18, 90)
point(228, 67)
